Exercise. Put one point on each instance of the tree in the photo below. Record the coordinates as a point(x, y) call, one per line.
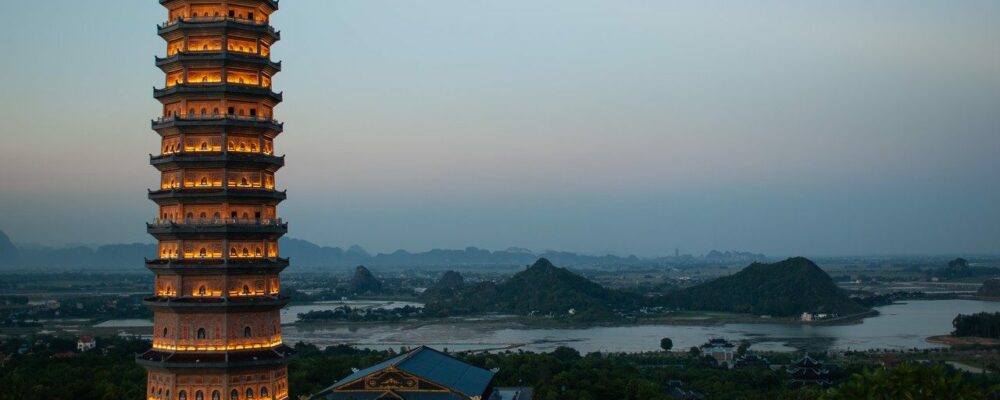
point(694, 351)
point(742, 349)
point(907, 381)
point(958, 263)
point(666, 344)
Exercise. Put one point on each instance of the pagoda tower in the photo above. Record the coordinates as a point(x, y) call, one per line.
point(217, 301)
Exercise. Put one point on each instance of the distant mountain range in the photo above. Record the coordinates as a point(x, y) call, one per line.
point(783, 289)
point(310, 256)
point(542, 288)
point(786, 288)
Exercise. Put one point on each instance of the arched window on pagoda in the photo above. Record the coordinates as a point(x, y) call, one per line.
point(246, 332)
point(182, 395)
point(201, 290)
point(203, 252)
point(258, 252)
point(164, 331)
point(204, 145)
point(204, 181)
point(249, 393)
point(201, 333)
point(199, 395)
point(234, 395)
point(232, 252)
point(216, 395)
point(263, 392)
point(246, 290)
point(246, 252)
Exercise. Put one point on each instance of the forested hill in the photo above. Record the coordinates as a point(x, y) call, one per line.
point(786, 288)
point(542, 288)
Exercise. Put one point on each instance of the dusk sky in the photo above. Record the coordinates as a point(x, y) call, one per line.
point(626, 126)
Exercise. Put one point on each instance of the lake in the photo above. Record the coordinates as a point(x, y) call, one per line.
point(899, 326)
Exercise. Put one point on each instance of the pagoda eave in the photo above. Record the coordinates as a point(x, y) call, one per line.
point(217, 59)
point(212, 231)
point(215, 90)
point(197, 305)
point(264, 162)
point(216, 195)
point(175, 125)
point(174, 361)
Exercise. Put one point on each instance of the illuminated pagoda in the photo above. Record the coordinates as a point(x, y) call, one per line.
point(216, 325)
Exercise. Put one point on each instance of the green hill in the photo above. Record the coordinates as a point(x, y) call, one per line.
point(542, 289)
point(786, 288)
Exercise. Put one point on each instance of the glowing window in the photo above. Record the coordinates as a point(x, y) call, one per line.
point(201, 290)
point(204, 181)
point(182, 395)
point(216, 395)
point(249, 393)
point(199, 395)
point(263, 392)
point(246, 289)
point(234, 395)
point(203, 252)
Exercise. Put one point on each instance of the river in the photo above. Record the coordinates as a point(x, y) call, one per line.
point(899, 326)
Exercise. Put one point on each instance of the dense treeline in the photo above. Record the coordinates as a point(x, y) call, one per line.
point(983, 324)
point(48, 371)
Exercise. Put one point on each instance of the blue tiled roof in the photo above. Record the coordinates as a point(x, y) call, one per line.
point(431, 365)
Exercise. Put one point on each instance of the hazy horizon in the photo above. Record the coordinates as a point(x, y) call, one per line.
point(631, 127)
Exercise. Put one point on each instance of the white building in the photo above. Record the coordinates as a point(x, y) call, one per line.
point(86, 343)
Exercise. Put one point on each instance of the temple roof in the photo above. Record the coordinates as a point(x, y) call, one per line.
point(429, 364)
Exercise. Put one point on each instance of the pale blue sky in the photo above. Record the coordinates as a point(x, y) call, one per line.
point(811, 128)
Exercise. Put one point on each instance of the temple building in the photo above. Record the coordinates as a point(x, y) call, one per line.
point(807, 371)
point(217, 296)
point(421, 374)
point(719, 349)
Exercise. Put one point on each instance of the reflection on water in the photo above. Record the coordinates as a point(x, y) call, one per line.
point(900, 326)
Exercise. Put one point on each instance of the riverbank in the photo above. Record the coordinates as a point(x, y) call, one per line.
point(963, 340)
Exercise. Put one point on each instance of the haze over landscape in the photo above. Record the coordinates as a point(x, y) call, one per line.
point(582, 125)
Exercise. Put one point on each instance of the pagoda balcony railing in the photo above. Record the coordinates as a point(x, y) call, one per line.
point(215, 260)
point(219, 18)
point(215, 117)
point(159, 222)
